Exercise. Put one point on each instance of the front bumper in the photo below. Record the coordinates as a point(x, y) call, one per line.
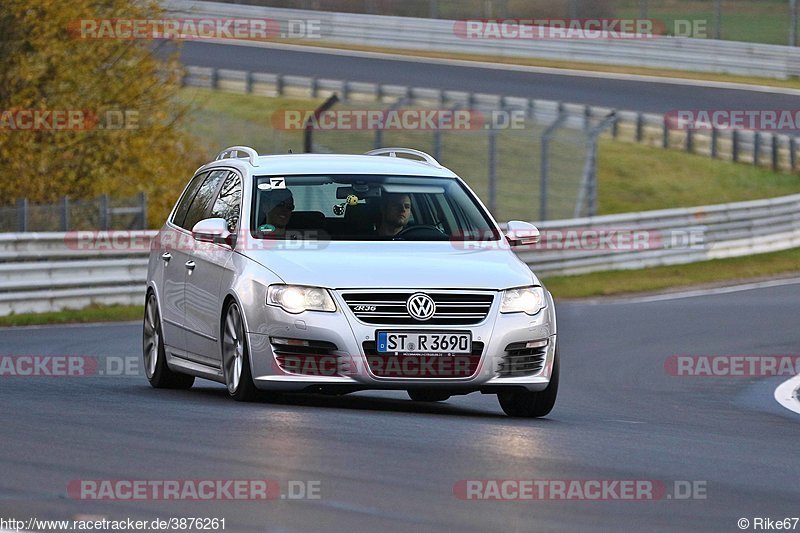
point(351, 370)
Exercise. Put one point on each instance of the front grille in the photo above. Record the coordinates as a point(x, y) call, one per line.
point(423, 366)
point(522, 361)
point(316, 359)
point(452, 309)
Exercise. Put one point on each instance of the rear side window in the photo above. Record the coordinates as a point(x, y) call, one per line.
point(228, 204)
point(186, 199)
point(201, 204)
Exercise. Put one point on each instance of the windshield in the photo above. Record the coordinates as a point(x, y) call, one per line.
point(363, 207)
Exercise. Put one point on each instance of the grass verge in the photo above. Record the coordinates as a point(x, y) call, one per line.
point(718, 271)
point(632, 177)
point(113, 313)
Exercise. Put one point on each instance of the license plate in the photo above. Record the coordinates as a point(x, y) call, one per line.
point(429, 342)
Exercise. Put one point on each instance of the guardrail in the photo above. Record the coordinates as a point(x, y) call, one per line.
point(775, 150)
point(51, 271)
point(677, 53)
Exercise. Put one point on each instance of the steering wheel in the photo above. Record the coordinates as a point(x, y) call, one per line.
point(425, 231)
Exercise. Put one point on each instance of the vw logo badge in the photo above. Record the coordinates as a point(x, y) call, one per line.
point(421, 306)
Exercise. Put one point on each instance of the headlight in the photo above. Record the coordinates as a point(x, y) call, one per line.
point(296, 299)
point(529, 300)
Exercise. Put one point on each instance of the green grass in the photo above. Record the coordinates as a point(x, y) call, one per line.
point(765, 21)
point(114, 313)
point(640, 177)
point(632, 177)
point(620, 282)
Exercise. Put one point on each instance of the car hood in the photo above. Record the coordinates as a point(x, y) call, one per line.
point(347, 265)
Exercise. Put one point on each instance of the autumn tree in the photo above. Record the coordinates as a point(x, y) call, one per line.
point(45, 65)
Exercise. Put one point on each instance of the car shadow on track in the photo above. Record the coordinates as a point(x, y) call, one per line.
point(361, 402)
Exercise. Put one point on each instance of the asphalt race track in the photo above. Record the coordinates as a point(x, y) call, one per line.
point(619, 94)
point(384, 463)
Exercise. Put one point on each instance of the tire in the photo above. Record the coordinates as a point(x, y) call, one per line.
point(526, 404)
point(236, 357)
point(422, 395)
point(155, 356)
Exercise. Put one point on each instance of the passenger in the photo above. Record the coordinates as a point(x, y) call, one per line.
point(276, 210)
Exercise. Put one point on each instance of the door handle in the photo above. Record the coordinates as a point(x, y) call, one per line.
point(166, 256)
point(190, 265)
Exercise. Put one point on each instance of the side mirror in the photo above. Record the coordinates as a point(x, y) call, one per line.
point(522, 233)
point(214, 230)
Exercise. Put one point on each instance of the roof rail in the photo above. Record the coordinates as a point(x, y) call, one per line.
point(233, 153)
point(392, 152)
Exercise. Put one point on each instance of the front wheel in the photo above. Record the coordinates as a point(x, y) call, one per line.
point(526, 404)
point(236, 357)
point(155, 357)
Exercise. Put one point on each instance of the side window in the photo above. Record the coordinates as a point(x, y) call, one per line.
point(201, 204)
point(228, 204)
point(186, 199)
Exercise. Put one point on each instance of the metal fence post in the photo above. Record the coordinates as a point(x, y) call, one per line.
point(793, 153)
point(433, 9)
point(689, 140)
point(103, 206)
point(65, 213)
point(248, 82)
point(22, 214)
point(437, 144)
point(544, 160)
point(639, 127)
point(717, 19)
point(643, 9)
point(588, 191)
point(214, 78)
point(143, 209)
point(714, 143)
point(735, 146)
point(775, 154)
point(665, 134)
point(756, 148)
point(492, 170)
point(793, 23)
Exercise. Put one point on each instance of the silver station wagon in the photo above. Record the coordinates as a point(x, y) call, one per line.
point(341, 273)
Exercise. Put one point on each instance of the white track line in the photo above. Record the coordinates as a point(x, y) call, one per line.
point(512, 67)
point(786, 394)
point(694, 293)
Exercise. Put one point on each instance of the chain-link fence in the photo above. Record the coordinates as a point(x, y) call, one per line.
point(761, 21)
point(68, 214)
point(504, 165)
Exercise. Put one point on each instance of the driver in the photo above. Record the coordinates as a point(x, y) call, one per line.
point(395, 213)
point(276, 210)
